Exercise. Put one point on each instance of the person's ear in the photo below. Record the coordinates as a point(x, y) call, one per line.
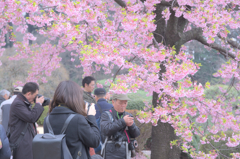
point(28, 93)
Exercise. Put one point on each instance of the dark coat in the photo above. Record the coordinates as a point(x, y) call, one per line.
point(5, 151)
point(104, 106)
point(81, 133)
point(109, 128)
point(20, 115)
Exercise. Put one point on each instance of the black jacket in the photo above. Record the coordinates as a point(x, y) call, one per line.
point(20, 115)
point(109, 128)
point(81, 133)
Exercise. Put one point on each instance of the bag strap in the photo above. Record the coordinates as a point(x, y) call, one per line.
point(15, 145)
point(100, 109)
point(110, 115)
point(64, 126)
point(105, 142)
point(50, 130)
point(66, 123)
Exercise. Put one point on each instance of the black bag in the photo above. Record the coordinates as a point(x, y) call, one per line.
point(50, 146)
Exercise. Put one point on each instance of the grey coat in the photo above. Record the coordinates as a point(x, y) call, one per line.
point(20, 115)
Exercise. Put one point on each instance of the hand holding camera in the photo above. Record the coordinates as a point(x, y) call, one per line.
point(40, 99)
point(90, 109)
point(128, 120)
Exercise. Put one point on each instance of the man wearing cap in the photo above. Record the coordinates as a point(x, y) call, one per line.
point(5, 108)
point(100, 106)
point(119, 128)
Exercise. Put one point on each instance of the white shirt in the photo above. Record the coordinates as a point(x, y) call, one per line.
point(9, 101)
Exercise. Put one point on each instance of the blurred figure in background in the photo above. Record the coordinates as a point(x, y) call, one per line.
point(5, 108)
point(101, 106)
point(88, 84)
point(4, 95)
point(5, 151)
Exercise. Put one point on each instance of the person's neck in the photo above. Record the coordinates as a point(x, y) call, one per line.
point(118, 110)
point(86, 91)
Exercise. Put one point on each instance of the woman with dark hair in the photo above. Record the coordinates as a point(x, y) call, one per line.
point(82, 132)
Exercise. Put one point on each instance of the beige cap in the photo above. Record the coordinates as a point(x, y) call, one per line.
point(18, 89)
point(120, 97)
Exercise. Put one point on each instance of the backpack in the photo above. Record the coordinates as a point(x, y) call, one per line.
point(50, 146)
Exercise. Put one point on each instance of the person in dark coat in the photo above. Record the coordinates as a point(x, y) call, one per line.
point(101, 106)
point(100, 94)
point(82, 132)
point(5, 151)
point(120, 130)
point(21, 115)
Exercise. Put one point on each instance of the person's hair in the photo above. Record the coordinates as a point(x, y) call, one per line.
point(69, 94)
point(16, 93)
point(101, 95)
point(4, 91)
point(87, 80)
point(30, 87)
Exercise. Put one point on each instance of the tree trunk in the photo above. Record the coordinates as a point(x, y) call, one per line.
point(162, 134)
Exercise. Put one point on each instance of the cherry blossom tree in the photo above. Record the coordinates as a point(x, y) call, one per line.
point(145, 37)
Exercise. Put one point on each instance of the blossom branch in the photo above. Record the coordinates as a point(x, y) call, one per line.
point(215, 46)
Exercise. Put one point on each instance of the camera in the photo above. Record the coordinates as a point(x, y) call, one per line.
point(118, 138)
point(45, 102)
point(131, 146)
point(88, 105)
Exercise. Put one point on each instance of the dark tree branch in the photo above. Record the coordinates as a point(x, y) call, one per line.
point(190, 35)
point(172, 23)
point(166, 4)
point(234, 44)
point(121, 3)
point(115, 75)
point(215, 46)
point(181, 24)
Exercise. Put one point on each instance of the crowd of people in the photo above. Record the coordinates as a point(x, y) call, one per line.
point(92, 127)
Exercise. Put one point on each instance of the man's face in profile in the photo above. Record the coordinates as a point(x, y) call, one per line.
point(31, 96)
point(90, 87)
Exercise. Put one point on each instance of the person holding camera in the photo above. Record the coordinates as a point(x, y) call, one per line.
point(23, 116)
point(82, 131)
point(119, 130)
